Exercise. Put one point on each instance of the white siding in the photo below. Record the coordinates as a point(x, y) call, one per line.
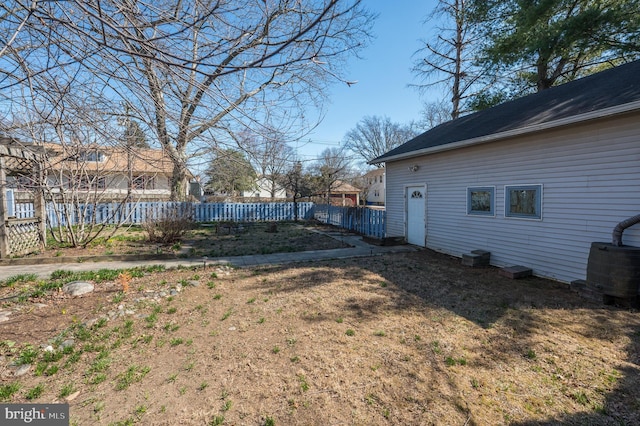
point(591, 181)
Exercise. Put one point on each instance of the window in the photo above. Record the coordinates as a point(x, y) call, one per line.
point(523, 201)
point(93, 156)
point(481, 201)
point(416, 194)
point(143, 182)
point(89, 182)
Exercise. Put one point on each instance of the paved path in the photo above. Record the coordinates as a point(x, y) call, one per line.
point(359, 249)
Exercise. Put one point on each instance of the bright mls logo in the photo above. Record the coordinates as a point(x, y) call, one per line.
point(34, 414)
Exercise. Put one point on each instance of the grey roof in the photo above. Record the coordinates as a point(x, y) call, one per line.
point(614, 87)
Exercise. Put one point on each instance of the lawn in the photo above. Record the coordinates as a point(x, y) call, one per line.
point(396, 339)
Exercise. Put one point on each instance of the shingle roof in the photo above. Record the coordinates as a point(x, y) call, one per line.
point(614, 87)
point(143, 160)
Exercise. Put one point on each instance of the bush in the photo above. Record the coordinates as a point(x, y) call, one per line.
point(170, 227)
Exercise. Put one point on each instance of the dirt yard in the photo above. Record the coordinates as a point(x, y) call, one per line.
point(410, 339)
point(208, 239)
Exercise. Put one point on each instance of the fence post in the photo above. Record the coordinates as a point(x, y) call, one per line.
point(4, 244)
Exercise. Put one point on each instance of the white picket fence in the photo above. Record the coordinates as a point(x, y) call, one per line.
point(138, 213)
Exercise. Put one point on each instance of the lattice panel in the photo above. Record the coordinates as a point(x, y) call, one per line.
point(23, 236)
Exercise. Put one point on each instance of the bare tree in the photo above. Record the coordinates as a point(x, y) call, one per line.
point(195, 71)
point(434, 113)
point(331, 166)
point(298, 183)
point(270, 156)
point(449, 59)
point(374, 136)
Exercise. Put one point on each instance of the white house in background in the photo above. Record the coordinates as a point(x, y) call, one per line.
point(374, 182)
point(264, 188)
point(534, 181)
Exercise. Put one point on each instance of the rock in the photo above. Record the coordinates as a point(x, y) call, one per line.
point(90, 323)
point(67, 343)
point(129, 312)
point(22, 370)
point(77, 288)
point(193, 283)
point(4, 316)
point(173, 292)
point(232, 328)
point(178, 287)
point(72, 396)
point(163, 294)
point(48, 348)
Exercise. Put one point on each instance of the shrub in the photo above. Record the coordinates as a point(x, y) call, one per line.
point(170, 226)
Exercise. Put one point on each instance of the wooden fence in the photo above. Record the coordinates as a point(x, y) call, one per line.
point(362, 220)
point(365, 221)
point(138, 213)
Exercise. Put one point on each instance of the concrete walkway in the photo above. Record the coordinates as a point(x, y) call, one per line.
point(358, 248)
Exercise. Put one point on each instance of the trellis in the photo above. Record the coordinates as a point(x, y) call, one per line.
point(20, 236)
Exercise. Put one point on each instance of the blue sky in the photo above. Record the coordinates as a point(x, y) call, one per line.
point(383, 75)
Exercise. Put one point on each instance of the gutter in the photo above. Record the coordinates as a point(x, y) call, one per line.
point(588, 116)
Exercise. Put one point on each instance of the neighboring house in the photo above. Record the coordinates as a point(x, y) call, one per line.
point(264, 188)
point(375, 187)
point(533, 181)
point(106, 173)
point(342, 194)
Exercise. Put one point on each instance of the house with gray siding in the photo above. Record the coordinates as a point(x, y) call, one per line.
point(534, 181)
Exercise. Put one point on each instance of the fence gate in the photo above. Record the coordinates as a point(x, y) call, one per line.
point(20, 236)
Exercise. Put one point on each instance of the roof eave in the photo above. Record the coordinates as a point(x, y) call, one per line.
point(592, 115)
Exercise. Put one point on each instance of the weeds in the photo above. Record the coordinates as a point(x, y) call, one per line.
point(7, 391)
point(18, 279)
point(217, 421)
point(227, 314)
point(304, 385)
point(35, 392)
point(133, 374)
point(66, 390)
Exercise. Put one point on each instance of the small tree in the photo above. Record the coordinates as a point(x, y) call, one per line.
point(332, 166)
point(298, 183)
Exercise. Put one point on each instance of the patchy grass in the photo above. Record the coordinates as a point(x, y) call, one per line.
point(206, 239)
point(327, 343)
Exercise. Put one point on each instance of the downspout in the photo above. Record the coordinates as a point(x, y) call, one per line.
point(617, 231)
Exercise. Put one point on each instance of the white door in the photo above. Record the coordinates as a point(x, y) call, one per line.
point(416, 204)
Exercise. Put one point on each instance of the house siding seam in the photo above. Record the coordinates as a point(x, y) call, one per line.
point(590, 174)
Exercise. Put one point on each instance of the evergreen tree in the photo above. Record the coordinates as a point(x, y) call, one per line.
point(535, 45)
point(230, 173)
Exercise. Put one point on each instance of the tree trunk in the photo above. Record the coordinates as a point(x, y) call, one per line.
point(179, 182)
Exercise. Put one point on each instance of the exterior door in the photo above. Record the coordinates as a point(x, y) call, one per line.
point(416, 208)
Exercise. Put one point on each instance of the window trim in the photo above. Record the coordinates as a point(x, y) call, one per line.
point(538, 201)
point(492, 210)
point(143, 182)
